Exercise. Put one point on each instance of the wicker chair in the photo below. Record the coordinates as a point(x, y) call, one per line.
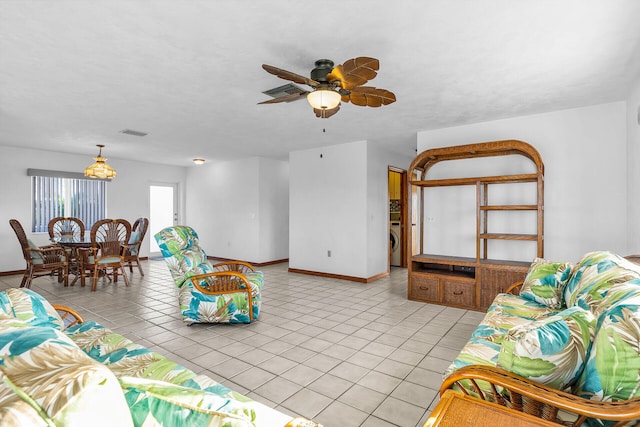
point(66, 228)
point(228, 292)
point(41, 260)
point(109, 239)
point(132, 253)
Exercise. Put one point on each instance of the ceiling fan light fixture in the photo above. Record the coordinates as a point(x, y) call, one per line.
point(324, 99)
point(100, 169)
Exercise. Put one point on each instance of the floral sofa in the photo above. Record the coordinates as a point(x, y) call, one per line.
point(566, 348)
point(228, 292)
point(85, 374)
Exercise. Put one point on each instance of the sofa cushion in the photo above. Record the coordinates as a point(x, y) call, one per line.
point(36, 257)
point(42, 367)
point(552, 350)
point(154, 403)
point(126, 358)
point(612, 371)
point(545, 282)
point(592, 278)
point(505, 313)
point(26, 305)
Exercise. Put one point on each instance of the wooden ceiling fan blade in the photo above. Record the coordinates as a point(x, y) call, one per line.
point(288, 75)
point(355, 72)
point(369, 96)
point(326, 113)
point(286, 98)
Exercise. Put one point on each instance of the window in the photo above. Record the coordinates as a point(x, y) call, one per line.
point(54, 196)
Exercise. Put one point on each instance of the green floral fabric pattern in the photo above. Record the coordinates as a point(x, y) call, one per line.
point(545, 282)
point(552, 350)
point(126, 358)
point(185, 258)
point(154, 385)
point(505, 313)
point(156, 403)
point(41, 368)
point(613, 369)
point(27, 305)
point(592, 278)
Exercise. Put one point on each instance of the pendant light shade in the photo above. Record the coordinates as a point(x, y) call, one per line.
point(324, 99)
point(100, 169)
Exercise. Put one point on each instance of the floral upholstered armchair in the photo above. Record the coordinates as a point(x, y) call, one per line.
point(225, 293)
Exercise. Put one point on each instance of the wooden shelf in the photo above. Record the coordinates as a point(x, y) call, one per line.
point(509, 208)
point(444, 259)
point(504, 179)
point(509, 236)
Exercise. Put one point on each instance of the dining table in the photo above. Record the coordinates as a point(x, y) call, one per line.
point(73, 244)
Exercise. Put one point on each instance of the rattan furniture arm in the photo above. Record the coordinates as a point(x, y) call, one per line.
point(239, 266)
point(537, 399)
point(51, 254)
point(68, 313)
point(224, 282)
point(513, 288)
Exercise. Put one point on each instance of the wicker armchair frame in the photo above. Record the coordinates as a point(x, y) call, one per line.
point(132, 254)
point(54, 259)
point(224, 282)
point(544, 402)
point(237, 266)
point(69, 316)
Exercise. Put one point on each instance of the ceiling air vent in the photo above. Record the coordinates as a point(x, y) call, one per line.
point(288, 89)
point(133, 132)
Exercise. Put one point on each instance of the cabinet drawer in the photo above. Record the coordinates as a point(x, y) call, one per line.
point(461, 293)
point(424, 287)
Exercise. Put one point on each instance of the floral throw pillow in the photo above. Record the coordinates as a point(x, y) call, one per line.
point(545, 282)
point(552, 350)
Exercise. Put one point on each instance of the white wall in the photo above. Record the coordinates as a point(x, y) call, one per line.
point(633, 140)
point(273, 184)
point(127, 194)
point(240, 208)
point(339, 203)
point(585, 156)
point(327, 209)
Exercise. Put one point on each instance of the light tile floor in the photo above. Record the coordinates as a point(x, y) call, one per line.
point(341, 353)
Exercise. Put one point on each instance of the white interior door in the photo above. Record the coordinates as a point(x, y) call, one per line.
point(163, 204)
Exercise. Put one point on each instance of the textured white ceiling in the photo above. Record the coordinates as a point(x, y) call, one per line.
point(75, 73)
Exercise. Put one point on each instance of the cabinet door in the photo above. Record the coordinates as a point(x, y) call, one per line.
point(496, 280)
point(459, 292)
point(424, 287)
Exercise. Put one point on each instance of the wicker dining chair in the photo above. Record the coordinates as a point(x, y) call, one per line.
point(138, 231)
point(66, 228)
point(109, 239)
point(41, 260)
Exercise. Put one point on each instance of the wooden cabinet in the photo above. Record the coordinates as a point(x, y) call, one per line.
point(395, 192)
point(473, 282)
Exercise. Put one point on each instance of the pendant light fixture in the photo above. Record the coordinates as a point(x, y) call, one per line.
point(100, 169)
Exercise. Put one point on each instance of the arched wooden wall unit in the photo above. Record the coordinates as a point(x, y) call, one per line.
point(463, 281)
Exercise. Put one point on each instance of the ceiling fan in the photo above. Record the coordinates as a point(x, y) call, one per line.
point(331, 85)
